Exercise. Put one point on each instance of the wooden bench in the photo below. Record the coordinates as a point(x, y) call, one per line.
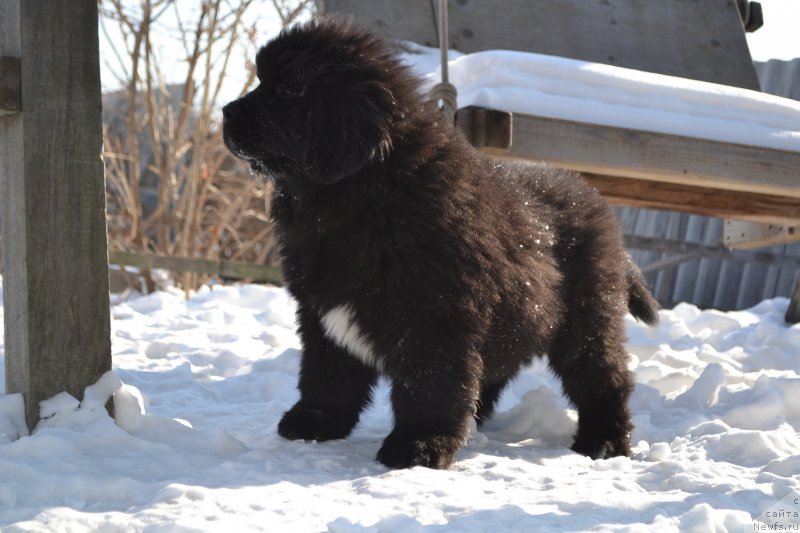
point(647, 169)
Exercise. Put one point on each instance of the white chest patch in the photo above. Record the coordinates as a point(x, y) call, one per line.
point(340, 326)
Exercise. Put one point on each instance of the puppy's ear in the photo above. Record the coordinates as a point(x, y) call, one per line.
point(349, 127)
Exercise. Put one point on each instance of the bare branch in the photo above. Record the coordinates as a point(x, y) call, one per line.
point(200, 201)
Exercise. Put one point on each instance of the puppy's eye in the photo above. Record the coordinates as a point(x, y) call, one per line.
point(290, 91)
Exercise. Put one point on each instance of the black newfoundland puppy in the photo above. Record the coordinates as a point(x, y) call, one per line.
point(413, 256)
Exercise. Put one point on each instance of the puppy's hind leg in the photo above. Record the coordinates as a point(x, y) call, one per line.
point(590, 359)
point(334, 387)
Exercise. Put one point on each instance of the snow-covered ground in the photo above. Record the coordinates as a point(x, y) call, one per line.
point(200, 384)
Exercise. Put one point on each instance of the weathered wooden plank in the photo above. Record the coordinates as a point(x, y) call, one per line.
point(748, 236)
point(691, 39)
point(486, 128)
point(493, 132)
point(53, 203)
point(736, 205)
point(227, 269)
point(623, 152)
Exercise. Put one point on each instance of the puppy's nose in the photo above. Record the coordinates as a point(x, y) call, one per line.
point(228, 111)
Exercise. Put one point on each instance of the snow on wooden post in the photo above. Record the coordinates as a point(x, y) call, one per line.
point(52, 200)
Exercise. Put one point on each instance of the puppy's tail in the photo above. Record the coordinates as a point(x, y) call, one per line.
point(641, 303)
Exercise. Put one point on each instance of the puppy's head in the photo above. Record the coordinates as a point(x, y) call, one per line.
point(328, 99)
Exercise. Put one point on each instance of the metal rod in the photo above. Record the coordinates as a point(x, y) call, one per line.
point(443, 38)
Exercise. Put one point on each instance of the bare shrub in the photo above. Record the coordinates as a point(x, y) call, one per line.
point(172, 186)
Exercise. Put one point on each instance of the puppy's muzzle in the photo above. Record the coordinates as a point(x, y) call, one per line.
point(231, 114)
point(232, 110)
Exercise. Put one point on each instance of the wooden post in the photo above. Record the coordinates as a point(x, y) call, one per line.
point(793, 312)
point(52, 202)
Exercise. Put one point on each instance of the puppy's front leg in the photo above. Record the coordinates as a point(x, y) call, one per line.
point(334, 387)
point(434, 392)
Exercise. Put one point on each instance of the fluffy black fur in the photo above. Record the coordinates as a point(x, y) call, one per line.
point(414, 256)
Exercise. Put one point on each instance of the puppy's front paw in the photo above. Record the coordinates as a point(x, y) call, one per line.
point(308, 423)
point(599, 448)
point(402, 450)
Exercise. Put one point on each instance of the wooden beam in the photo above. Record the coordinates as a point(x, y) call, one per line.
point(227, 269)
point(735, 205)
point(749, 236)
point(486, 128)
point(624, 152)
point(697, 40)
point(662, 171)
point(55, 280)
point(684, 179)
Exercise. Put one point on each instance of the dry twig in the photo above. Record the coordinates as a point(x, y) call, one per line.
point(173, 188)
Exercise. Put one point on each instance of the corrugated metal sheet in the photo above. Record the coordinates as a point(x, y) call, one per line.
point(707, 282)
point(781, 78)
